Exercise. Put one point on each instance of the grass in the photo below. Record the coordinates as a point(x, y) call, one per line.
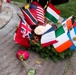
point(67, 9)
point(22, 1)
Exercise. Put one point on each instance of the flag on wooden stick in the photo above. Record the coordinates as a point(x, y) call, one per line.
point(63, 41)
point(68, 23)
point(37, 11)
point(72, 36)
point(31, 20)
point(40, 14)
point(48, 38)
point(22, 34)
point(74, 25)
point(52, 13)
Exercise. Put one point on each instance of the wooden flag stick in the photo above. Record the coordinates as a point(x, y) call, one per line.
point(46, 5)
point(37, 0)
point(19, 16)
point(19, 6)
point(31, 1)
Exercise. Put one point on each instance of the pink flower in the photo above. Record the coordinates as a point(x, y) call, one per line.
point(22, 55)
point(8, 1)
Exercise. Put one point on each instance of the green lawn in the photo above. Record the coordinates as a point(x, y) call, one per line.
point(67, 9)
point(22, 1)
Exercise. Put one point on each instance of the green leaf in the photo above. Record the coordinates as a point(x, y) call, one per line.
point(41, 47)
point(70, 53)
point(31, 72)
point(53, 50)
point(55, 59)
point(37, 50)
point(49, 47)
point(38, 44)
point(50, 53)
point(62, 55)
point(47, 58)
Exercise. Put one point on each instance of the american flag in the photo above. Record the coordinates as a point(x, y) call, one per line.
point(37, 10)
point(25, 29)
point(40, 14)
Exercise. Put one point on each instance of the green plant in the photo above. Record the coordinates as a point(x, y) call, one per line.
point(49, 52)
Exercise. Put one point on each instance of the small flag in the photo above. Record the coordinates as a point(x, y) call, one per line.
point(74, 25)
point(22, 34)
point(68, 23)
point(32, 9)
point(72, 36)
point(48, 38)
point(63, 40)
point(38, 12)
point(31, 20)
point(52, 13)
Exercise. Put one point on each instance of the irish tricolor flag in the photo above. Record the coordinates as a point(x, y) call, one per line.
point(52, 13)
point(63, 40)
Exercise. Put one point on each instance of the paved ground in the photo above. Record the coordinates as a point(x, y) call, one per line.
point(5, 15)
point(10, 65)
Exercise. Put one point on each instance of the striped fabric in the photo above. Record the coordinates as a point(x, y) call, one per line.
point(48, 38)
point(32, 9)
point(29, 17)
point(40, 14)
point(52, 13)
point(63, 41)
point(68, 23)
point(37, 10)
point(72, 36)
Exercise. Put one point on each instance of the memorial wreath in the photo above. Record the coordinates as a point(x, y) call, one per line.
point(41, 31)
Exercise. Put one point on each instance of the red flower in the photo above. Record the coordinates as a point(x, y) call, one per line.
point(22, 55)
point(8, 1)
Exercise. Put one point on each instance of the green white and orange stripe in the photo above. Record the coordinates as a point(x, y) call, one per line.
point(52, 13)
point(63, 41)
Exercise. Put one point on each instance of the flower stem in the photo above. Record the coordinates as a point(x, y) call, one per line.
point(24, 64)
